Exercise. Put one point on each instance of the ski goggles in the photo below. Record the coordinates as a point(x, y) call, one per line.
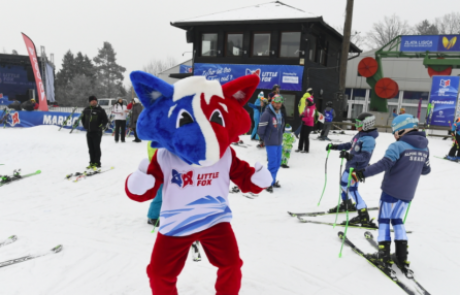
point(359, 123)
point(278, 98)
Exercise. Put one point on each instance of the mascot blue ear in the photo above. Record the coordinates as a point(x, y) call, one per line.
point(150, 88)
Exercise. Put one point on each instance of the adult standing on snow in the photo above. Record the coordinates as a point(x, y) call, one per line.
point(454, 153)
point(360, 152)
point(94, 119)
point(256, 108)
point(404, 162)
point(301, 107)
point(136, 111)
point(308, 121)
point(271, 129)
point(120, 111)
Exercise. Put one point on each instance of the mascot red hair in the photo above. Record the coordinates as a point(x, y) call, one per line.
point(192, 123)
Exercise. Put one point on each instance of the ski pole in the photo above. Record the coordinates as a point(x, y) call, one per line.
point(346, 208)
point(325, 174)
point(156, 223)
point(340, 192)
point(407, 212)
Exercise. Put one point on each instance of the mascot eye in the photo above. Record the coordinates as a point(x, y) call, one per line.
point(217, 117)
point(183, 118)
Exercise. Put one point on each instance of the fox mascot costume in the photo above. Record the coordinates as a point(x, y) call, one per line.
point(192, 123)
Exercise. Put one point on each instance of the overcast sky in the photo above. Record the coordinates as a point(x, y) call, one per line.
point(140, 30)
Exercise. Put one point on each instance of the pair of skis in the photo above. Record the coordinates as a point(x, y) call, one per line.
point(6, 179)
point(13, 239)
point(419, 289)
point(68, 118)
point(78, 176)
point(445, 158)
point(248, 195)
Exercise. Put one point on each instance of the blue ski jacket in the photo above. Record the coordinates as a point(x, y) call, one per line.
point(404, 161)
point(361, 147)
point(271, 126)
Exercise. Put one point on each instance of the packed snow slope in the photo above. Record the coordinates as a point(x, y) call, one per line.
point(107, 241)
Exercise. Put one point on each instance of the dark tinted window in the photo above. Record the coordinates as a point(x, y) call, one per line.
point(290, 44)
point(261, 44)
point(234, 45)
point(209, 45)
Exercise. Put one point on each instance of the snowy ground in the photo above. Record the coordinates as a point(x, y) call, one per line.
point(107, 242)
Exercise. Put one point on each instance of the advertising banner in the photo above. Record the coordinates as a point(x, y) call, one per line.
point(31, 119)
point(444, 93)
point(287, 77)
point(434, 43)
point(43, 104)
point(185, 69)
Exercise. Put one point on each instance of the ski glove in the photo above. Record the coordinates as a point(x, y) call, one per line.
point(331, 147)
point(358, 175)
point(262, 177)
point(346, 155)
point(140, 182)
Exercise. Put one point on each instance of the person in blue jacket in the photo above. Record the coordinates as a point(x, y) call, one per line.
point(404, 161)
point(358, 154)
point(455, 150)
point(257, 108)
point(271, 129)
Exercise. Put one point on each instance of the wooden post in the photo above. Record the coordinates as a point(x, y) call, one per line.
point(345, 45)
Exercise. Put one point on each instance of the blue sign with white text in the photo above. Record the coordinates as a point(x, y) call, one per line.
point(444, 93)
point(287, 77)
point(434, 43)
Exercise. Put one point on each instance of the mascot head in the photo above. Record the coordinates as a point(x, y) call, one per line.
point(195, 119)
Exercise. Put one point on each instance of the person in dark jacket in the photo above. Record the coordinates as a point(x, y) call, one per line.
point(136, 111)
point(404, 162)
point(15, 105)
point(94, 119)
point(28, 105)
point(271, 129)
point(360, 152)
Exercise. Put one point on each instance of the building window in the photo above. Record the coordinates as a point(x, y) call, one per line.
point(356, 109)
point(414, 96)
point(312, 50)
point(290, 44)
point(359, 94)
point(209, 45)
point(261, 44)
point(394, 98)
point(289, 104)
point(414, 112)
point(234, 45)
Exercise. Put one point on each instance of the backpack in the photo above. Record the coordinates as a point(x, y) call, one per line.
point(328, 116)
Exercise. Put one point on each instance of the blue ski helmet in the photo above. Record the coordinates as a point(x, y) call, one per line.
point(404, 121)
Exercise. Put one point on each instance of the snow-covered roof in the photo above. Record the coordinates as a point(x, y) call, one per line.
point(267, 11)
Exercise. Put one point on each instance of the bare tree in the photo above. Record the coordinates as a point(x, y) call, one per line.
point(449, 23)
point(426, 28)
point(357, 38)
point(384, 32)
point(157, 66)
point(14, 52)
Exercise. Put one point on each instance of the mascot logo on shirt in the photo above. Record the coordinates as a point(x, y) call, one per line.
point(194, 119)
point(182, 179)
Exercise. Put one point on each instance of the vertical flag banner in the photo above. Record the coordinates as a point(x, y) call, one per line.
point(444, 93)
point(43, 104)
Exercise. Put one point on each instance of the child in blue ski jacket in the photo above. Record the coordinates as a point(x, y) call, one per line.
point(257, 109)
point(455, 150)
point(404, 161)
point(360, 152)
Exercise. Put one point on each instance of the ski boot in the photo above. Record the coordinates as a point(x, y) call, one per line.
point(269, 189)
point(284, 166)
point(453, 159)
point(400, 258)
point(261, 145)
point(154, 222)
point(342, 207)
point(277, 184)
point(235, 190)
point(362, 219)
point(382, 260)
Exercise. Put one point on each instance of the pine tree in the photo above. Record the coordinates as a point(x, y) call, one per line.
point(109, 73)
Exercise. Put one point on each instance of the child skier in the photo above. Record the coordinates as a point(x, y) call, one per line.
point(455, 150)
point(404, 161)
point(256, 107)
point(361, 148)
point(288, 143)
point(329, 115)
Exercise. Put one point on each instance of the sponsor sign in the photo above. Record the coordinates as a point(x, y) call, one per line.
point(287, 77)
point(444, 94)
